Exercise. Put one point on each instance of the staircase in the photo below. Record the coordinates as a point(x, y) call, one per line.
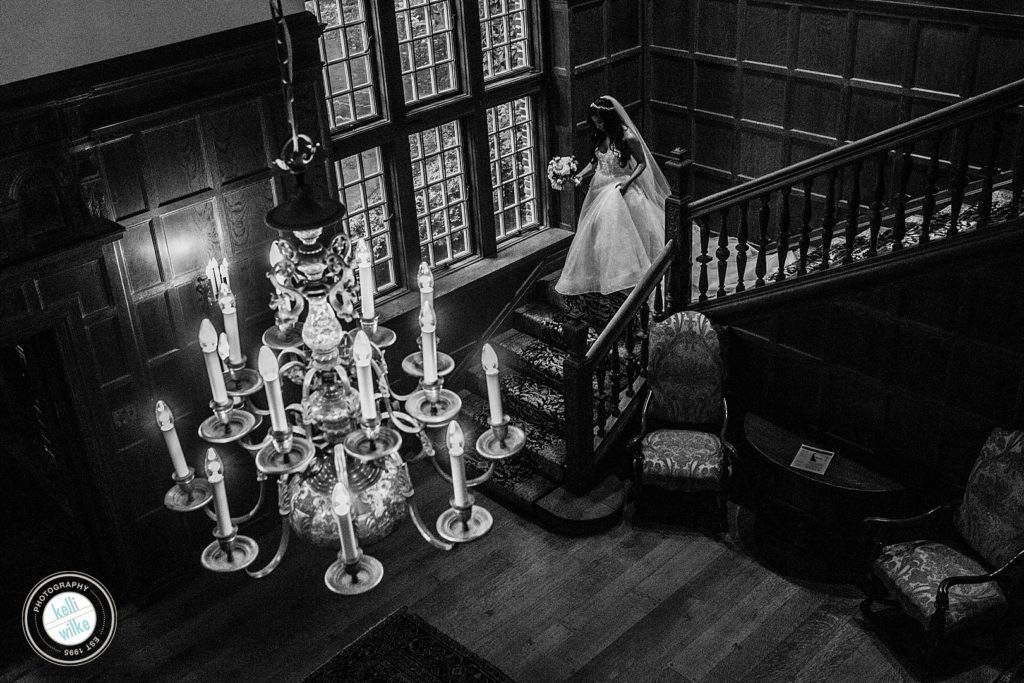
point(573, 371)
point(532, 352)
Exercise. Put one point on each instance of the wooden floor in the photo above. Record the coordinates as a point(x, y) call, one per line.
point(633, 604)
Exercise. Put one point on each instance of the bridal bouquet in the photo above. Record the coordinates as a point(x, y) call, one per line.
point(561, 169)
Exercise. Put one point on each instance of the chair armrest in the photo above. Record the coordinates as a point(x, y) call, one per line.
point(725, 420)
point(942, 595)
point(634, 443)
point(909, 522)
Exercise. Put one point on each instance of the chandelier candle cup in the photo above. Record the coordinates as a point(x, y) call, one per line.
point(428, 342)
point(489, 361)
point(215, 475)
point(208, 343)
point(366, 285)
point(425, 280)
point(165, 420)
point(361, 353)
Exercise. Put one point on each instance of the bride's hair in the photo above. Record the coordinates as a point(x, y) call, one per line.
point(614, 129)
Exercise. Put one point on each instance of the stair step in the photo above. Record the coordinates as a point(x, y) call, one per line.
point(547, 286)
point(545, 448)
point(545, 321)
point(531, 356)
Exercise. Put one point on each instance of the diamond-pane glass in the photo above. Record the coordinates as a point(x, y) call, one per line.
point(349, 79)
point(365, 196)
point(505, 37)
point(439, 181)
point(426, 48)
point(510, 135)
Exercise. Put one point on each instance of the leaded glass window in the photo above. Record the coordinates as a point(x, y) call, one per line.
point(439, 182)
point(426, 48)
point(365, 195)
point(510, 131)
point(504, 34)
point(348, 65)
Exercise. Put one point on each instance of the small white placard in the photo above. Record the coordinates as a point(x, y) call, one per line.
point(812, 459)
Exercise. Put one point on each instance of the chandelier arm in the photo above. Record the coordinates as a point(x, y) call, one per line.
point(238, 521)
point(469, 482)
point(417, 521)
point(284, 508)
point(426, 452)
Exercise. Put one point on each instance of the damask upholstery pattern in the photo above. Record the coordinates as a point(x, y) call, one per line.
point(683, 460)
point(685, 370)
point(991, 516)
point(913, 571)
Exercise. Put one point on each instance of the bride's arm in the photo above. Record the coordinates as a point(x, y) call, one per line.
point(637, 151)
point(587, 171)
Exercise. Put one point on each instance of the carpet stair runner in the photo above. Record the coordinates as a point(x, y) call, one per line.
point(531, 353)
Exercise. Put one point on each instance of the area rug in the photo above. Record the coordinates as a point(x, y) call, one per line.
point(404, 648)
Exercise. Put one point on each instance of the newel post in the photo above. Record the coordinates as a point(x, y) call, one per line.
point(677, 227)
point(578, 385)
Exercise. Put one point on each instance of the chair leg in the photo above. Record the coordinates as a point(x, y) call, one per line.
point(933, 644)
point(873, 591)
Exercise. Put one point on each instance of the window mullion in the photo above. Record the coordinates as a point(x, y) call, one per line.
point(480, 193)
point(407, 251)
point(391, 66)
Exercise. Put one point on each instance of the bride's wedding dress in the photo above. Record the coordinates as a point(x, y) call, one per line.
point(617, 236)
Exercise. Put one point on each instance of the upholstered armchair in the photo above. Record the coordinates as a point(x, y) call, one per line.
point(681, 446)
point(968, 578)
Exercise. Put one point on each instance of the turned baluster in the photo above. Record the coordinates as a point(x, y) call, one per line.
point(704, 260)
point(805, 226)
point(853, 210)
point(659, 304)
point(877, 204)
point(906, 164)
point(989, 172)
point(762, 218)
point(645, 337)
point(722, 253)
point(631, 368)
point(741, 247)
point(958, 183)
point(782, 243)
point(616, 381)
point(1017, 184)
point(601, 402)
point(828, 223)
point(931, 188)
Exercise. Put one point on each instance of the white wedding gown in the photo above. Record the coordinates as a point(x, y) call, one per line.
point(617, 237)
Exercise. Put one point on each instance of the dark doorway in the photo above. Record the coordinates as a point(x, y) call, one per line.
point(41, 501)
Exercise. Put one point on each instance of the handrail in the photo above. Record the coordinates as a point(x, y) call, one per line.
point(632, 303)
point(538, 272)
point(883, 141)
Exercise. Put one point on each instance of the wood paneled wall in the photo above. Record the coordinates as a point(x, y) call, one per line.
point(596, 49)
point(176, 146)
point(908, 369)
point(750, 86)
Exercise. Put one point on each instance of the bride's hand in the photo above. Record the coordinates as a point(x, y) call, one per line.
point(576, 180)
point(622, 189)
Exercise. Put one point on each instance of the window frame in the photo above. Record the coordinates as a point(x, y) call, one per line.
point(468, 105)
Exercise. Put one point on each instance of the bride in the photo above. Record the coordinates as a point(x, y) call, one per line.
point(621, 227)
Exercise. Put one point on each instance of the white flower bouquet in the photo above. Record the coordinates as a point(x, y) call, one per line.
point(561, 169)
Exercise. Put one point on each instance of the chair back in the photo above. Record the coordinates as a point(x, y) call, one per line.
point(991, 516)
point(685, 370)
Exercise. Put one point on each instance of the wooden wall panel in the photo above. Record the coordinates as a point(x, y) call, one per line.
point(911, 371)
point(811, 74)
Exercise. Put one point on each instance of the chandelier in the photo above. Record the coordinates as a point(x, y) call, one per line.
point(341, 481)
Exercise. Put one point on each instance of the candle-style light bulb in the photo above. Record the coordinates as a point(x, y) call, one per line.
point(425, 280)
point(428, 320)
point(224, 347)
point(267, 363)
point(213, 276)
point(361, 253)
point(207, 336)
point(225, 278)
point(341, 499)
point(489, 361)
point(455, 437)
point(214, 466)
point(362, 352)
point(165, 420)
